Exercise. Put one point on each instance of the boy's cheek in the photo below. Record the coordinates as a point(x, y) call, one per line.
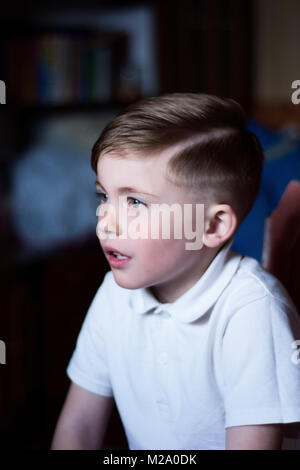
point(159, 252)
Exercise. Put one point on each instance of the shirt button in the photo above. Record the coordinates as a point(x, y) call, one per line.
point(164, 411)
point(164, 408)
point(163, 358)
point(165, 314)
point(161, 313)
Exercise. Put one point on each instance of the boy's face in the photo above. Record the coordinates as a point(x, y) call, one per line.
point(164, 264)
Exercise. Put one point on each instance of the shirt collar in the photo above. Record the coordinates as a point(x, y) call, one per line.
point(195, 302)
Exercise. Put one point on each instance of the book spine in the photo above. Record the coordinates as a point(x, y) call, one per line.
point(43, 70)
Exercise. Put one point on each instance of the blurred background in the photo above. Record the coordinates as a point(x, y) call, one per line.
point(68, 68)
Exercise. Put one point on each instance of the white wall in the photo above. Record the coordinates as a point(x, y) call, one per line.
point(276, 49)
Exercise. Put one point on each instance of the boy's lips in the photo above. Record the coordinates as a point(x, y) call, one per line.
point(109, 250)
point(114, 261)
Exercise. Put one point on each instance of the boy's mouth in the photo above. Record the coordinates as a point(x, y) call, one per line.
point(115, 253)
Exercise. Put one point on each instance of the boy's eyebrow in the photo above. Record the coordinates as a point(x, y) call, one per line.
point(126, 189)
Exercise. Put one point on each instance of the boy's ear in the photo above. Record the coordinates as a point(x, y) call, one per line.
point(220, 224)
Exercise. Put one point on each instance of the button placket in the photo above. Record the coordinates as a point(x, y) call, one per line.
point(161, 364)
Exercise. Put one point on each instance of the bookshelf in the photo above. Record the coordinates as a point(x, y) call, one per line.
point(63, 67)
point(201, 45)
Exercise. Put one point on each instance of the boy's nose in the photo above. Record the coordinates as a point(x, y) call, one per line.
point(110, 222)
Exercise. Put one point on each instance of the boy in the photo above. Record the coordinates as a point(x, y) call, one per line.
point(194, 343)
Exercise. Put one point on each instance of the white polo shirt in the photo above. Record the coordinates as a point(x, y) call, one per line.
point(223, 354)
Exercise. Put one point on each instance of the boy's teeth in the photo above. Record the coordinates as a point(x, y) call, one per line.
point(119, 256)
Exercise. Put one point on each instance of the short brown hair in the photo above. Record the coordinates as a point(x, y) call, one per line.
point(219, 156)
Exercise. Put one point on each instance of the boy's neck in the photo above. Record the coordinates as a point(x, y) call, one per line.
point(170, 291)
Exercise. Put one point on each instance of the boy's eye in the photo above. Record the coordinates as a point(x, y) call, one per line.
point(135, 201)
point(101, 196)
point(131, 200)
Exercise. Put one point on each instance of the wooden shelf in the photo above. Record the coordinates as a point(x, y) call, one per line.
point(66, 108)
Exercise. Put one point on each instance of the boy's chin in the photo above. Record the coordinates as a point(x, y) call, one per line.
point(124, 280)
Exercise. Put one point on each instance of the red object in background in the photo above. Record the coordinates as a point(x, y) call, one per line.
point(281, 247)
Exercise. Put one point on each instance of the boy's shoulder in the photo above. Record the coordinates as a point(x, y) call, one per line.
point(253, 282)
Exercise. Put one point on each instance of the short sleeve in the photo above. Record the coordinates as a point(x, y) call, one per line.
point(261, 374)
point(88, 366)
